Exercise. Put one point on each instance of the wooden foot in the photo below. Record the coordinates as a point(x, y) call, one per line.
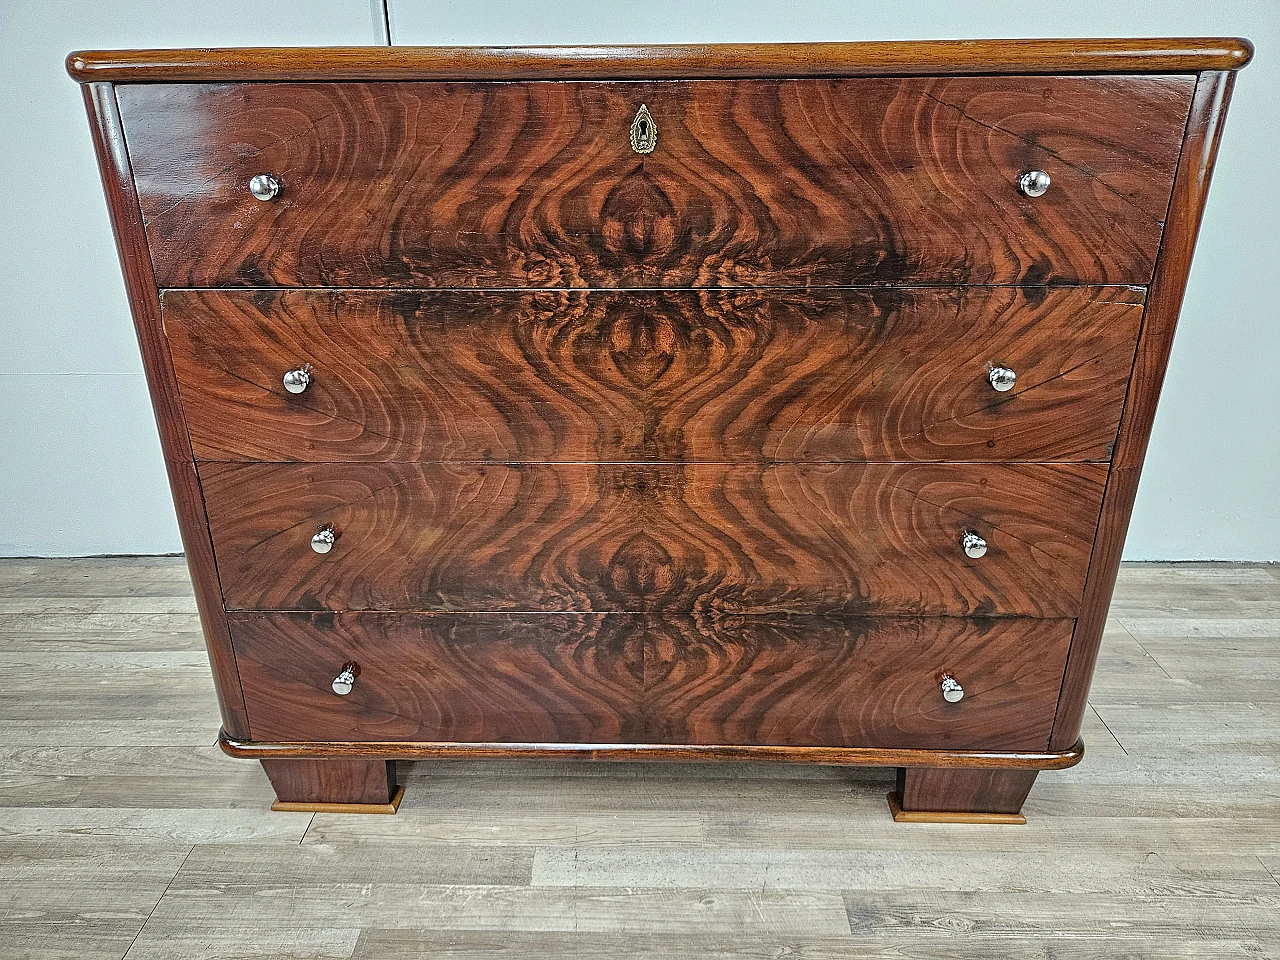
point(960, 795)
point(334, 786)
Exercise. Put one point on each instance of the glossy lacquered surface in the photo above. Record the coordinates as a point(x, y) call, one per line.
point(822, 538)
point(754, 183)
point(745, 375)
point(175, 441)
point(357, 782)
point(877, 58)
point(617, 678)
point(1199, 153)
point(701, 402)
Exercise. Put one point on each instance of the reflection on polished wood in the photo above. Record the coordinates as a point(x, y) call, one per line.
point(786, 681)
point(814, 538)
point(806, 182)
point(743, 375)
point(873, 58)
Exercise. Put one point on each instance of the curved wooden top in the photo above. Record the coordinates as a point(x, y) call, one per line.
point(878, 58)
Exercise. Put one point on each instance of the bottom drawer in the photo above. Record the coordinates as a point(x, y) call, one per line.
point(780, 680)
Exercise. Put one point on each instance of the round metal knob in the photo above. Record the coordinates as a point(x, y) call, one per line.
point(265, 186)
point(1034, 183)
point(952, 692)
point(323, 540)
point(1002, 378)
point(345, 680)
point(295, 381)
point(974, 545)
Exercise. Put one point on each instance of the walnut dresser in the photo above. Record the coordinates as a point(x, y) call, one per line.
point(708, 402)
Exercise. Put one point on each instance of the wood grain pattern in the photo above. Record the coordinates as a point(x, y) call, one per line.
point(744, 375)
point(818, 538)
point(1160, 319)
point(814, 681)
point(332, 781)
point(754, 183)
point(655, 679)
point(542, 677)
point(646, 61)
point(953, 790)
point(175, 442)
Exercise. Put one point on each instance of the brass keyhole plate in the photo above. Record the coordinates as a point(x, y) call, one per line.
point(644, 132)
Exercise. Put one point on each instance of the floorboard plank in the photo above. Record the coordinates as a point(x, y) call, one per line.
point(507, 908)
point(905, 945)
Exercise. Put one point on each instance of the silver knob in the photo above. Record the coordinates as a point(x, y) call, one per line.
point(344, 681)
point(974, 545)
point(265, 186)
point(295, 381)
point(323, 540)
point(1002, 378)
point(1034, 183)
point(952, 692)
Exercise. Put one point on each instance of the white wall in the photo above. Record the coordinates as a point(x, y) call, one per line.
point(80, 470)
point(80, 465)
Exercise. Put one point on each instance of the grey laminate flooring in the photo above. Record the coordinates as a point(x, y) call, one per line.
point(125, 832)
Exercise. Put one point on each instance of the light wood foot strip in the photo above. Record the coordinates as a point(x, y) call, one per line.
point(290, 806)
point(940, 816)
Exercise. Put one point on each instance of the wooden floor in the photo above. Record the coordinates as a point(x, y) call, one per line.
point(126, 833)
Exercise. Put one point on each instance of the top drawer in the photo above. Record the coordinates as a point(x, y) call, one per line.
point(750, 183)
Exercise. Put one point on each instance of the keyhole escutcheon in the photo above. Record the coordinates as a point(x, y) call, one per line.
point(644, 132)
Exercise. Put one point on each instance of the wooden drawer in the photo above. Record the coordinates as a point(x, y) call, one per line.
point(532, 678)
point(812, 681)
point(819, 538)
point(849, 375)
point(618, 678)
point(752, 182)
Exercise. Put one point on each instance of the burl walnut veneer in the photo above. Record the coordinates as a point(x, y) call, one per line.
point(777, 402)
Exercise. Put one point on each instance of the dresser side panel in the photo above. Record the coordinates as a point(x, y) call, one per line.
point(135, 262)
point(1160, 319)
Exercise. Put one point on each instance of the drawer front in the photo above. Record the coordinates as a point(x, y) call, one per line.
point(751, 182)
point(817, 538)
point(870, 374)
point(812, 681)
point(625, 678)
point(531, 678)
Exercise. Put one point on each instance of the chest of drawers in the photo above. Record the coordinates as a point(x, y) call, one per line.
point(723, 402)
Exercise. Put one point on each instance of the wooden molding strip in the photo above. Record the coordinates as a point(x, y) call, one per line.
point(651, 62)
point(836, 756)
